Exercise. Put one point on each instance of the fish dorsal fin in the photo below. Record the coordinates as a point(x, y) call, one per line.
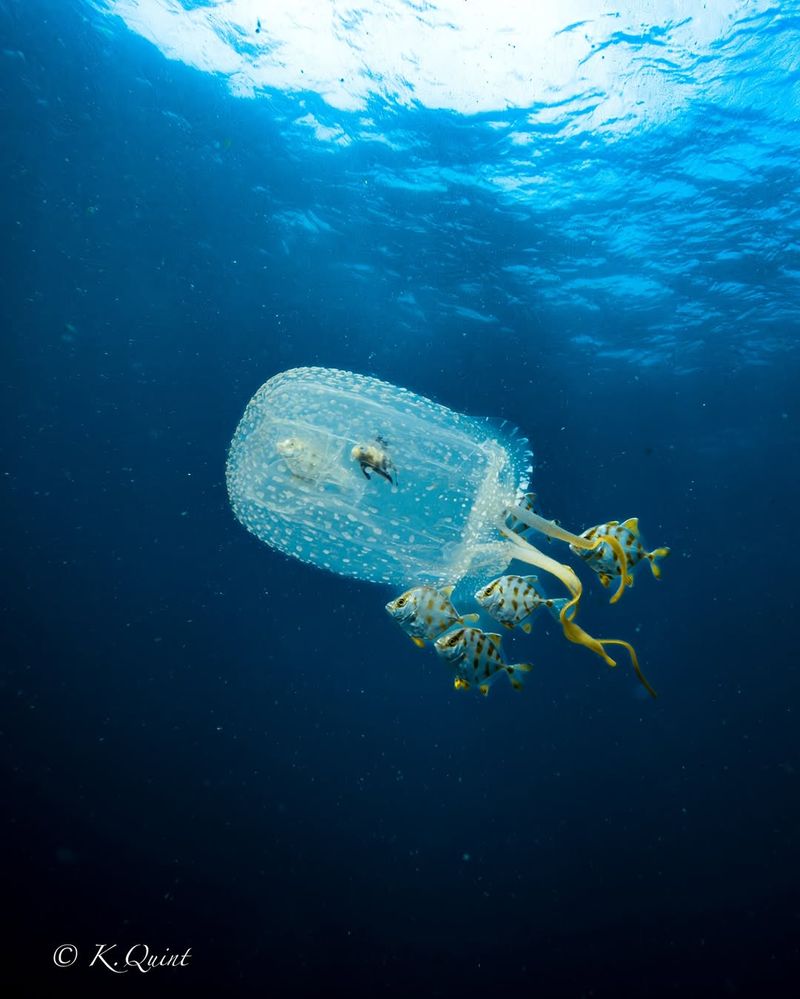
point(447, 591)
point(531, 579)
point(632, 524)
point(612, 523)
point(497, 639)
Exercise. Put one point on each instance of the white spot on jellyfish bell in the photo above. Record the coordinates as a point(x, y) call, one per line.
point(293, 483)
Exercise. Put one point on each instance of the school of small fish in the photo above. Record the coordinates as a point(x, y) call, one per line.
point(427, 614)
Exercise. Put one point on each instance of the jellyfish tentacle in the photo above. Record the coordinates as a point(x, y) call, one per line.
point(634, 662)
point(526, 552)
point(625, 578)
point(549, 527)
point(573, 632)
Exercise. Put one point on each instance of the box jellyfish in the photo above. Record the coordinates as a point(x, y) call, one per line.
point(370, 480)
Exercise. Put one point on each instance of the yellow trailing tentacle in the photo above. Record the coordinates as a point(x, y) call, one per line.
point(548, 527)
point(634, 661)
point(526, 552)
point(573, 632)
point(625, 579)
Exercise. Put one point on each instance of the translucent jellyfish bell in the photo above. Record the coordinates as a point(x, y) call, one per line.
point(294, 484)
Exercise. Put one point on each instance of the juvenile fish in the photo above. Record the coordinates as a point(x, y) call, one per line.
point(477, 659)
point(511, 599)
point(372, 456)
point(425, 612)
point(604, 560)
point(311, 463)
point(302, 458)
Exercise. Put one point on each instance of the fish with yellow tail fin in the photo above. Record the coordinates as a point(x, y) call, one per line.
point(605, 560)
point(511, 599)
point(477, 659)
point(425, 612)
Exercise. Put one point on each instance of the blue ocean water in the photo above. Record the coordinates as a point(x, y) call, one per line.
point(585, 223)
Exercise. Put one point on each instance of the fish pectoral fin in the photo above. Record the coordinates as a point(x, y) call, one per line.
point(469, 618)
point(507, 624)
point(420, 644)
point(461, 684)
point(484, 689)
point(494, 636)
point(527, 627)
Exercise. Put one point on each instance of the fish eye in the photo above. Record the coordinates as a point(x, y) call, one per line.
point(402, 601)
point(491, 588)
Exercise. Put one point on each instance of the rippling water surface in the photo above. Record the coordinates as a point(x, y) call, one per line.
point(609, 166)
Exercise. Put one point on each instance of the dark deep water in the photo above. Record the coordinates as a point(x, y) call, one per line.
point(207, 745)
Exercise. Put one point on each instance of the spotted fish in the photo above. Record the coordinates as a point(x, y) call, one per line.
point(510, 599)
point(477, 659)
point(605, 561)
point(425, 612)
